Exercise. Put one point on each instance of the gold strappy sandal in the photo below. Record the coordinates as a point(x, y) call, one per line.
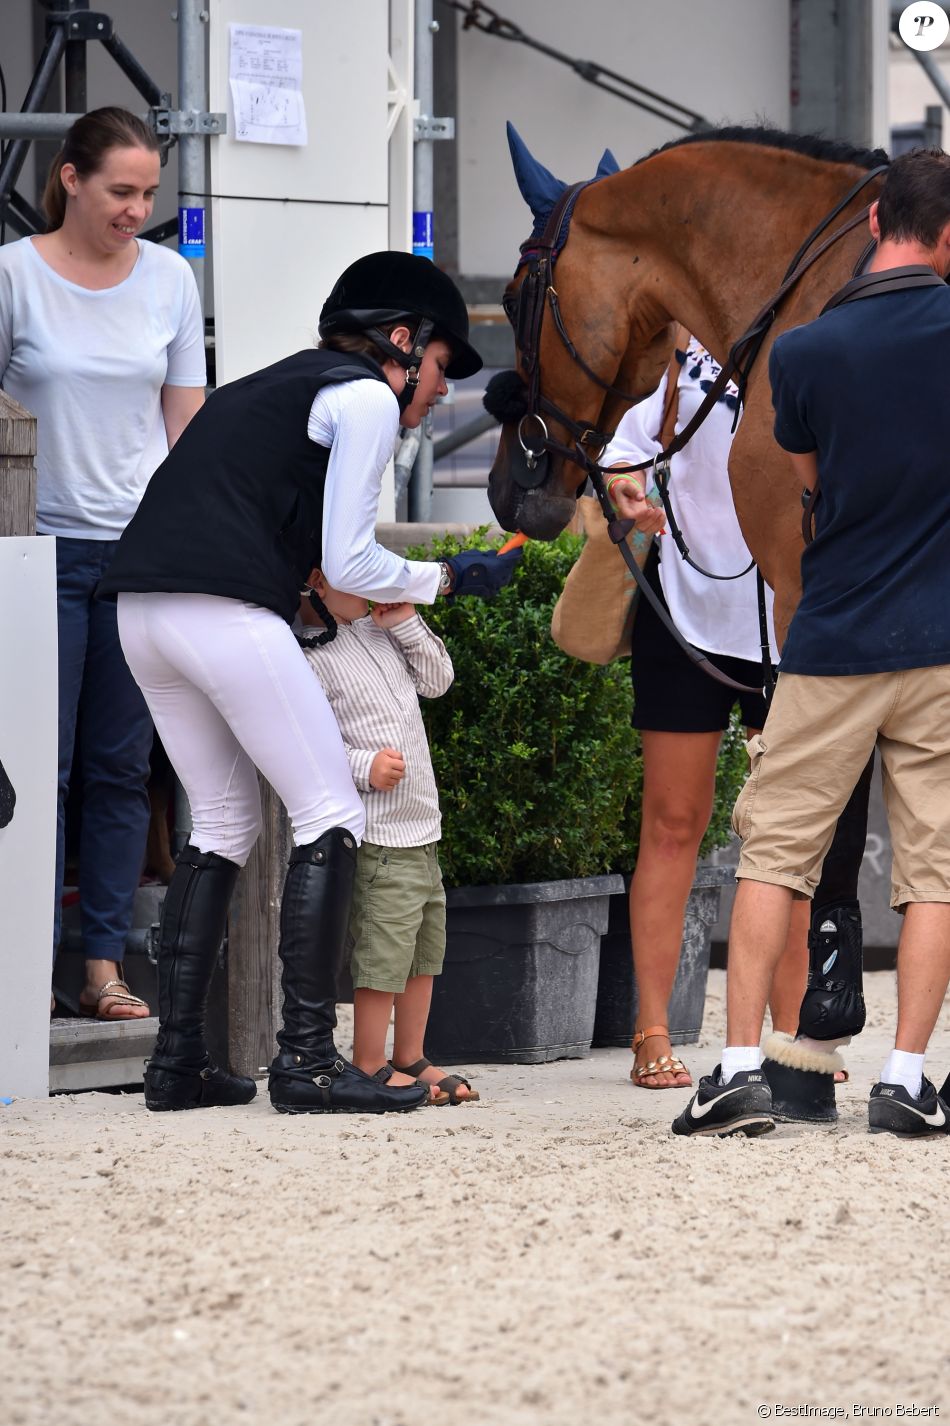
point(664, 1064)
point(123, 1001)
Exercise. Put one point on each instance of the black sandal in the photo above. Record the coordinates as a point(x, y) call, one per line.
point(448, 1088)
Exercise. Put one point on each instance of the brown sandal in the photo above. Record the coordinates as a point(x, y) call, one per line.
point(664, 1064)
point(448, 1088)
point(118, 992)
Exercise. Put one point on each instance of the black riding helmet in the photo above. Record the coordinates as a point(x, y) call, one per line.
point(381, 288)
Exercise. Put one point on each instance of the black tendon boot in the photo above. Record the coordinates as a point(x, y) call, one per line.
point(801, 1078)
point(181, 1074)
point(834, 1000)
point(308, 1076)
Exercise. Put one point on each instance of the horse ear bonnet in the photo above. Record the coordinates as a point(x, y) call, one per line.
point(384, 286)
point(537, 185)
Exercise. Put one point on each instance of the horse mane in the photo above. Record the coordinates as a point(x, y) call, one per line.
point(809, 145)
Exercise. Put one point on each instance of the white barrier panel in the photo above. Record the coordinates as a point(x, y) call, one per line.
point(286, 221)
point(28, 739)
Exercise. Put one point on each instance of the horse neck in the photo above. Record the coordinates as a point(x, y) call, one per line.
point(712, 229)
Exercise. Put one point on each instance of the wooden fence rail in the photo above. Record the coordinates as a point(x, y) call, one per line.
point(17, 468)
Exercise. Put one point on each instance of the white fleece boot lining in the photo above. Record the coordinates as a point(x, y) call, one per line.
point(784, 1049)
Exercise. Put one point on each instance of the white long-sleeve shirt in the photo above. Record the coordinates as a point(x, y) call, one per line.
point(720, 616)
point(373, 679)
point(359, 421)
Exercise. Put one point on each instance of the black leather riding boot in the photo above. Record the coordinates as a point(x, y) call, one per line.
point(308, 1076)
point(181, 1073)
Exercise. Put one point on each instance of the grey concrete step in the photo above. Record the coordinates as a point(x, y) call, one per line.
point(95, 1054)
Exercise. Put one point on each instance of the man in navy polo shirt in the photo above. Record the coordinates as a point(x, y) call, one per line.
point(861, 407)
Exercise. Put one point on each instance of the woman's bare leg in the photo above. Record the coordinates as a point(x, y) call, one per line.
point(679, 775)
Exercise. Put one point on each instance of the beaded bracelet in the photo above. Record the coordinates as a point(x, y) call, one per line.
point(620, 475)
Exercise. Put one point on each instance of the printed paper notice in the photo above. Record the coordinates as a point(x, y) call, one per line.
point(266, 72)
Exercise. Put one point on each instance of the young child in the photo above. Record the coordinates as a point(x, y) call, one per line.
point(373, 669)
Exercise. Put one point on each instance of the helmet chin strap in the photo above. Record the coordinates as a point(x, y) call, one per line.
point(411, 360)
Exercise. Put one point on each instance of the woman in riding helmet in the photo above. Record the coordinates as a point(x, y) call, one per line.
point(280, 473)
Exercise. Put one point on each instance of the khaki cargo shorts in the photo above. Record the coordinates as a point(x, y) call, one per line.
point(816, 742)
point(397, 925)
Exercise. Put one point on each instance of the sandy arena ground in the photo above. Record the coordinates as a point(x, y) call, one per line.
point(550, 1257)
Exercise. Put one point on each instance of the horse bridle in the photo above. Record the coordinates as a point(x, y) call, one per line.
point(525, 310)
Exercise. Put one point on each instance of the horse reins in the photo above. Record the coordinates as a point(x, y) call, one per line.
point(525, 310)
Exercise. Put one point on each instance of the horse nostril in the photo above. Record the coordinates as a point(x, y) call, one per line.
point(506, 397)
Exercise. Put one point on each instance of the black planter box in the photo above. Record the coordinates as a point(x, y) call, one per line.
point(617, 999)
point(520, 977)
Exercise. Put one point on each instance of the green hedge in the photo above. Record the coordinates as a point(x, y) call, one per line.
point(539, 771)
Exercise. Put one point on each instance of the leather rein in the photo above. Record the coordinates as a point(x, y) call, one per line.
point(525, 309)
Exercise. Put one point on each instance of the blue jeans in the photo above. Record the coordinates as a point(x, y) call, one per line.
point(97, 690)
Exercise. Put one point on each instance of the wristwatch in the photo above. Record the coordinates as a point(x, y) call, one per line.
point(445, 578)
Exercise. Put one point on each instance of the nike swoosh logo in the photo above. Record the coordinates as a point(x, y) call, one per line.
point(937, 1119)
point(699, 1111)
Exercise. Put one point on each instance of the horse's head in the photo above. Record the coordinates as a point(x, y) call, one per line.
point(580, 363)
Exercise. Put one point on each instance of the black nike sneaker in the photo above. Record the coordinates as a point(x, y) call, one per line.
point(892, 1109)
point(743, 1106)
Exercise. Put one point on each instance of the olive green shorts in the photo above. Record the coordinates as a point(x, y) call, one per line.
point(397, 925)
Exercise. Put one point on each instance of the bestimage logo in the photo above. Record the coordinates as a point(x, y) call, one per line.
point(924, 26)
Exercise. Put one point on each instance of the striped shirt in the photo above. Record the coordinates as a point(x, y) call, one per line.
point(373, 679)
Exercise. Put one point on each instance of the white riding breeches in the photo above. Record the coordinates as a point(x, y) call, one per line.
point(230, 691)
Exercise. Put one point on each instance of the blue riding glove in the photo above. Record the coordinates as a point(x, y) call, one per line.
point(481, 572)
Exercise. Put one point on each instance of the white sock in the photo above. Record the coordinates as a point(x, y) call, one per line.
point(901, 1067)
point(736, 1058)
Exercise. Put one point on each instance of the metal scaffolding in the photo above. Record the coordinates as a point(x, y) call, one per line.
point(70, 27)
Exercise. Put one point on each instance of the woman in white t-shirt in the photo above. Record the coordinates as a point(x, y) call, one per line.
point(681, 712)
point(102, 339)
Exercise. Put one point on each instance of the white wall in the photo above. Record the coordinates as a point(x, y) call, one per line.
point(302, 214)
point(910, 91)
point(728, 60)
point(28, 842)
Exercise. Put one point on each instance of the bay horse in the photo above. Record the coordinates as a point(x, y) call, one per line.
point(703, 233)
point(700, 233)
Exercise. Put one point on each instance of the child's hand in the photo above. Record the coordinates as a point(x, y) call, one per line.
point(386, 615)
point(388, 769)
point(626, 494)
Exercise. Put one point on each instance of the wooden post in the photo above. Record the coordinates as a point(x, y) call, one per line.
point(253, 929)
point(17, 470)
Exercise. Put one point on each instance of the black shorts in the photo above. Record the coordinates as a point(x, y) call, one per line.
point(672, 695)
